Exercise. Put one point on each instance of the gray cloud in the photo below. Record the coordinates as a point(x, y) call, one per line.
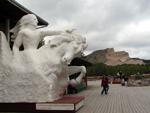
point(122, 24)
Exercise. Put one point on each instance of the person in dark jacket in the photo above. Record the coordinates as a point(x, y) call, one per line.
point(105, 85)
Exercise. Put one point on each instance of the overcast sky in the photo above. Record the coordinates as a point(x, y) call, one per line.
point(120, 24)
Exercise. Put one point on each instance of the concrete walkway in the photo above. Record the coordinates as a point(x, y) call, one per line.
point(120, 99)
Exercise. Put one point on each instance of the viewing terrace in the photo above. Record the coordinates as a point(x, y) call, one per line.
point(121, 99)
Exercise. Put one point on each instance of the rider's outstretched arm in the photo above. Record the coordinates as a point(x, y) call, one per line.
point(50, 33)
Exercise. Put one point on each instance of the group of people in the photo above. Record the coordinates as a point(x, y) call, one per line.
point(105, 83)
point(124, 80)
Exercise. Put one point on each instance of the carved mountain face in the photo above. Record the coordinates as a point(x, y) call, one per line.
point(110, 57)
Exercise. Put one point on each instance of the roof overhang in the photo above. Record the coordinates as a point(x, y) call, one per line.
point(10, 9)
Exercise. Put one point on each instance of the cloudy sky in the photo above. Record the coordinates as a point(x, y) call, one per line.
point(120, 24)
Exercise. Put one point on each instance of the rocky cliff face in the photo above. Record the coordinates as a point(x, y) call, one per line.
point(110, 57)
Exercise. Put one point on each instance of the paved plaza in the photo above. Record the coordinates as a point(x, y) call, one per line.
point(121, 99)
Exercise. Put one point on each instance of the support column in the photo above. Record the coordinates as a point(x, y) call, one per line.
point(7, 28)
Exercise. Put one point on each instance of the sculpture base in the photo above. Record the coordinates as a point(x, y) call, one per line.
point(68, 104)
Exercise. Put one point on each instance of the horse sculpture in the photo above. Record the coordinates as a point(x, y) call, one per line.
point(39, 75)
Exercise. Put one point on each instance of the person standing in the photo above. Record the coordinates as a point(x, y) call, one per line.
point(105, 85)
point(126, 80)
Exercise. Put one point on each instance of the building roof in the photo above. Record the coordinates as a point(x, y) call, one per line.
point(14, 11)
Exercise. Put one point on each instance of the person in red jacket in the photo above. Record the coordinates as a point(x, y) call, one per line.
point(105, 85)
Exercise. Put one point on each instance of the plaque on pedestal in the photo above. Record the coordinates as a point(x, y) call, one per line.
point(66, 104)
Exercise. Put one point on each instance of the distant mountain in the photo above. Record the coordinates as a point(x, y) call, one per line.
point(110, 57)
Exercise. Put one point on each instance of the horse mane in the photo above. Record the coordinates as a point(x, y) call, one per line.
point(63, 38)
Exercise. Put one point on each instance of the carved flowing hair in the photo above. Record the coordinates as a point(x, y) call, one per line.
point(25, 20)
point(66, 38)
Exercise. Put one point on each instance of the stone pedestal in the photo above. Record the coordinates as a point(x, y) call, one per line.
point(68, 104)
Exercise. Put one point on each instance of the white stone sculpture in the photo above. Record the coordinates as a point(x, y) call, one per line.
point(25, 32)
point(78, 80)
point(37, 75)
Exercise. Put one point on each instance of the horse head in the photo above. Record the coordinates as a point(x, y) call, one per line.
point(68, 46)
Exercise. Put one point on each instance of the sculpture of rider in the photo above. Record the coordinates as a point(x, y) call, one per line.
point(26, 33)
point(44, 70)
